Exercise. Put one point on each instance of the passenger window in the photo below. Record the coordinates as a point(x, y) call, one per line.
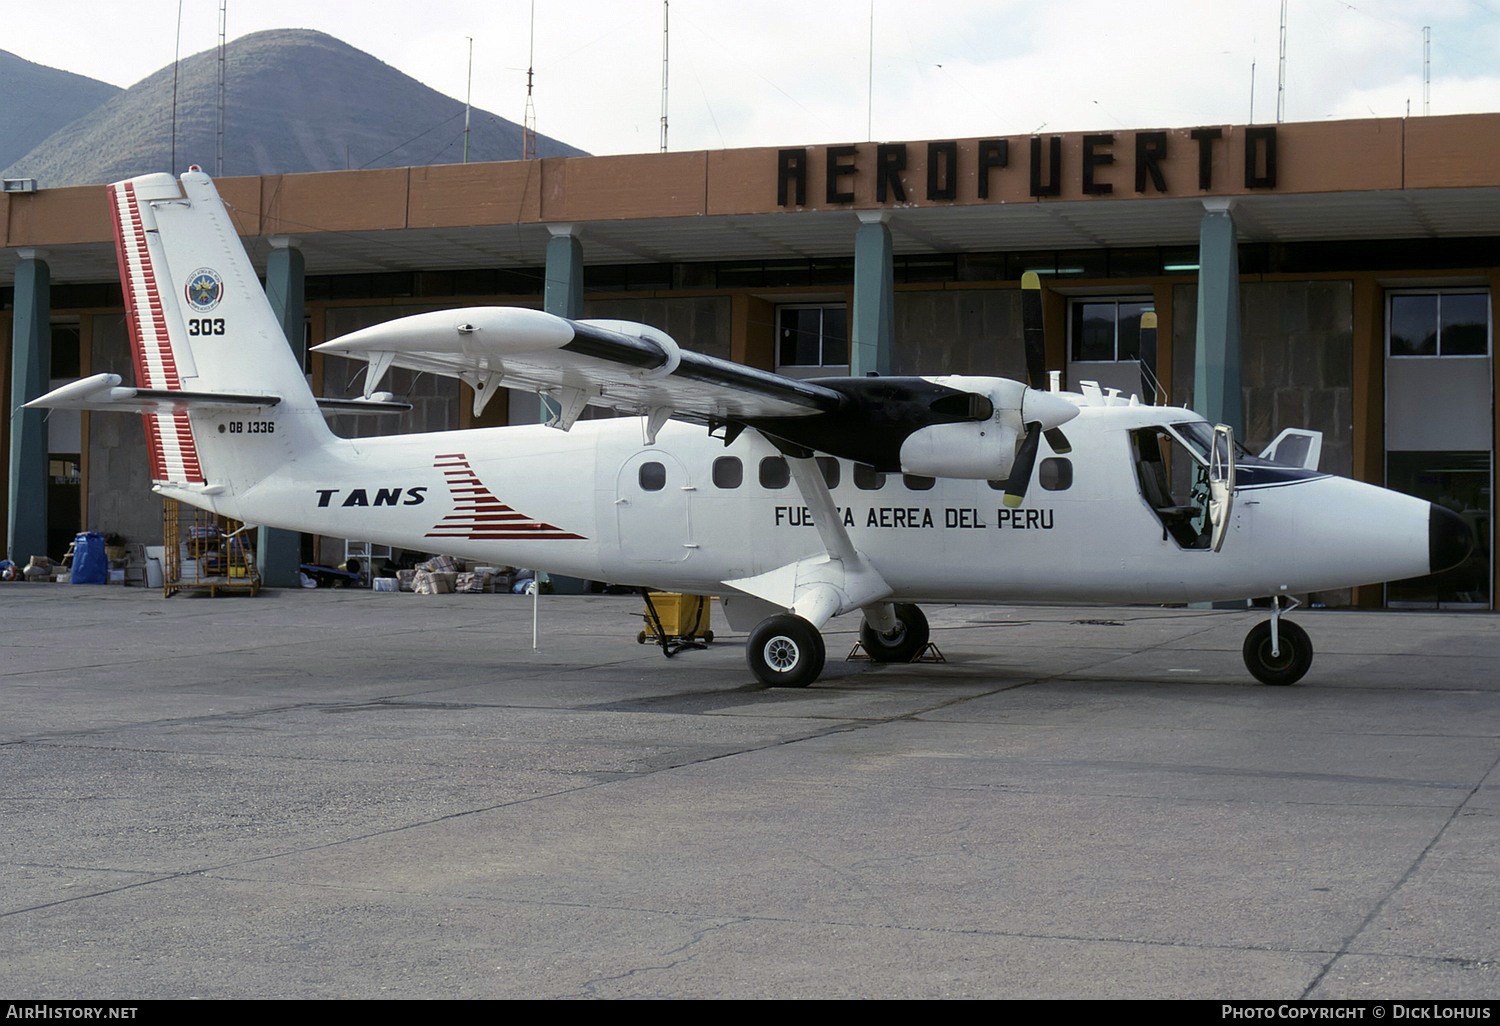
point(917, 483)
point(774, 473)
point(729, 472)
point(653, 477)
point(999, 486)
point(830, 468)
point(1056, 474)
point(867, 478)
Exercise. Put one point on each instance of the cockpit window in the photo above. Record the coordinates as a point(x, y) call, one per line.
point(1198, 437)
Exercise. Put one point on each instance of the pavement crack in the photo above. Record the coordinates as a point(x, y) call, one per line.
point(1396, 887)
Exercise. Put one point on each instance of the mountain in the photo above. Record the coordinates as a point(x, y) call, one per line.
point(295, 100)
point(40, 100)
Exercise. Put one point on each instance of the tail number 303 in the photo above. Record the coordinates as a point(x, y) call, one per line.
point(205, 325)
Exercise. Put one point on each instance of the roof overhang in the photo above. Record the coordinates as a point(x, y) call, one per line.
point(1378, 179)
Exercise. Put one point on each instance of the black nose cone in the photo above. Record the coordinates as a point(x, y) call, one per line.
point(1449, 540)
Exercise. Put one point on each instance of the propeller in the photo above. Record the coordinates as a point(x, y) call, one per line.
point(1032, 330)
point(1041, 411)
point(1020, 470)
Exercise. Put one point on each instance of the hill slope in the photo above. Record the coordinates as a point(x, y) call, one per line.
point(38, 101)
point(296, 100)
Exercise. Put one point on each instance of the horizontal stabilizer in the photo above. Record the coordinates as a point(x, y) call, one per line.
point(361, 407)
point(105, 392)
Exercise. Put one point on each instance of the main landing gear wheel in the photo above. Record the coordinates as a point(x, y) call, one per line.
point(785, 651)
point(1288, 667)
point(901, 645)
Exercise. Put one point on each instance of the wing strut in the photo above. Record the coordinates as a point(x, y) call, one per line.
point(819, 587)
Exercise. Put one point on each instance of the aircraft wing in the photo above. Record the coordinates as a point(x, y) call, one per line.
point(619, 365)
point(955, 426)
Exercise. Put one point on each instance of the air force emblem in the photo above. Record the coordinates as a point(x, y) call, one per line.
point(204, 289)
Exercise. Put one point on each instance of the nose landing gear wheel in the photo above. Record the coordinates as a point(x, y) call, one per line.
point(1286, 668)
point(901, 645)
point(785, 651)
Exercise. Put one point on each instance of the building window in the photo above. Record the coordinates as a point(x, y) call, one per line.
point(729, 472)
point(809, 335)
point(66, 351)
point(1437, 323)
point(1106, 330)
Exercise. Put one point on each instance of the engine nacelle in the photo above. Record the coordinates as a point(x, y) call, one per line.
point(979, 451)
point(982, 450)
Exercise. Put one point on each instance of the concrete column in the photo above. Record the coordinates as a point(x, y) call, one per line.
point(563, 296)
point(278, 553)
point(564, 290)
point(1216, 376)
point(31, 367)
point(872, 335)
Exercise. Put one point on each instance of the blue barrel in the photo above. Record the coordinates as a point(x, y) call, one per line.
point(90, 562)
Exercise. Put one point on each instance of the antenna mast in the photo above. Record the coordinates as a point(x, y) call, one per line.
point(176, 68)
point(666, 10)
point(468, 98)
point(1281, 71)
point(1426, 69)
point(219, 142)
point(870, 80)
point(528, 121)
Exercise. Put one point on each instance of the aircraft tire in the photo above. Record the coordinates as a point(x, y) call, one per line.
point(1287, 668)
point(902, 645)
point(785, 651)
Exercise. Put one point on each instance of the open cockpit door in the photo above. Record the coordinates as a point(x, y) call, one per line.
point(1296, 447)
point(1220, 483)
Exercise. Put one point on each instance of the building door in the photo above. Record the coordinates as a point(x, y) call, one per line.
point(1440, 428)
point(64, 447)
point(1104, 343)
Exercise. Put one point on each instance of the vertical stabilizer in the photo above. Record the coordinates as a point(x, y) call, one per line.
point(200, 322)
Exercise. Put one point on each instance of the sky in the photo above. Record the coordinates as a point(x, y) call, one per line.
point(783, 73)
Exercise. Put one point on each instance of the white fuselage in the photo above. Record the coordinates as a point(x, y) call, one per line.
point(574, 503)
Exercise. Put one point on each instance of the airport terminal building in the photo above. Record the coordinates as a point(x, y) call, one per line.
point(1340, 276)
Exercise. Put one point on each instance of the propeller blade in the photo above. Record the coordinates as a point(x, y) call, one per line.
point(1058, 441)
point(1020, 471)
point(1148, 357)
point(1032, 330)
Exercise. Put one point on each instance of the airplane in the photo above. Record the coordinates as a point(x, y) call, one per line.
point(793, 500)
